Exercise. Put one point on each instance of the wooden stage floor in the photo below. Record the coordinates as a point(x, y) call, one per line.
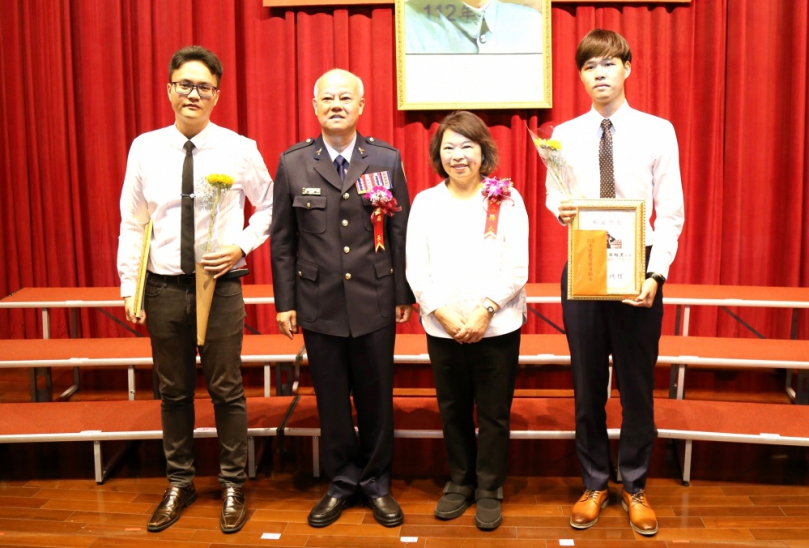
point(741, 495)
point(79, 513)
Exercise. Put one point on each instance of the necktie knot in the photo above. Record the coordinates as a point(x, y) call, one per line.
point(342, 165)
point(188, 146)
point(606, 124)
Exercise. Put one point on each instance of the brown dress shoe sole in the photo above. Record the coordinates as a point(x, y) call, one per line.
point(645, 532)
point(590, 524)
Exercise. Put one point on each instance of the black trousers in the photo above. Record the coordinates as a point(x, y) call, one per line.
point(596, 329)
point(479, 375)
point(171, 318)
point(362, 367)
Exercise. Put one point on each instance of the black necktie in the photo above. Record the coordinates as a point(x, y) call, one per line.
point(605, 163)
point(342, 166)
point(187, 212)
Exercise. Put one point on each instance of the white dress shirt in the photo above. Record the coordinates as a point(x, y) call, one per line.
point(647, 167)
point(347, 152)
point(152, 189)
point(450, 263)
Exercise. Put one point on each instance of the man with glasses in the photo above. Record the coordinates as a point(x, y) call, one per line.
point(165, 175)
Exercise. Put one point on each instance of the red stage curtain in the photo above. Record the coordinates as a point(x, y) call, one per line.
point(82, 78)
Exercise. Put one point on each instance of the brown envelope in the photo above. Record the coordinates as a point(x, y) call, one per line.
point(589, 263)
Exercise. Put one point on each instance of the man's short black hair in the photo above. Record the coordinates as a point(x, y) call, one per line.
point(196, 53)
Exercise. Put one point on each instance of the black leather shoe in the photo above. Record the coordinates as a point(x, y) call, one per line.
point(386, 511)
point(168, 511)
point(234, 509)
point(327, 511)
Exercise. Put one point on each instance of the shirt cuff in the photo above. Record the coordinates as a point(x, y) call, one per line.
point(127, 289)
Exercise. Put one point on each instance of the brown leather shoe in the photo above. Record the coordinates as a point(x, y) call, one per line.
point(234, 509)
point(585, 512)
point(168, 511)
point(641, 516)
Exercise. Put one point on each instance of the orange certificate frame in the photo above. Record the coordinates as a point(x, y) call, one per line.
point(607, 250)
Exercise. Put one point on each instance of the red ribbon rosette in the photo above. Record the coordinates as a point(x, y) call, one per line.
point(384, 205)
point(495, 191)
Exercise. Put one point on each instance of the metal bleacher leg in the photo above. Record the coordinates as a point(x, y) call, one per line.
point(130, 381)
point(683, 448)
point(788, 386)
point(316, 456)
point(102, 471)
point(677, 381)
point(251, 457)
point(72, 389)
point(283, 388)
point(802, 389)
point(46, 392)
point(255, 454)
point(98, 459)
point(267, 375)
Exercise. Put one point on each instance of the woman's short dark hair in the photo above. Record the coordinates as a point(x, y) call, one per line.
point(470, 126)
point(600, 43)
point(196, 53)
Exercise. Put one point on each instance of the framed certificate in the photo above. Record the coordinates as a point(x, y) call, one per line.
point(607, 250)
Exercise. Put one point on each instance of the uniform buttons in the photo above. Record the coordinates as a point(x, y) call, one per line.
point(345, 222)
point(348, 276)
point(308, 204)
point(370, 139)
point(300, 273)
point(345, 196)
point(391, 271)
point(482, 38)
point(346, 249)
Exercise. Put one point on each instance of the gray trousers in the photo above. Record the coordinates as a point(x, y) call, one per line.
point(171, 318)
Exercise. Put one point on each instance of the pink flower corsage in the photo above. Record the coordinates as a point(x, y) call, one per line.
point(495, 191)
point(384, 204)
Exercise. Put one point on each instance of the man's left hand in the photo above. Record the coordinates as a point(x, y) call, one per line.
point(647, 295)
point(221, 261)
point(403, 312)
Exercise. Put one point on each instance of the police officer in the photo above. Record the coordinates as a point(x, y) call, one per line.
point(340, 275)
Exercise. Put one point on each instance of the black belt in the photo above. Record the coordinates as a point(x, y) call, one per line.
point(191, 279)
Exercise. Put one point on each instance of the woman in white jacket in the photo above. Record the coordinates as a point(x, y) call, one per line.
point(467, 263)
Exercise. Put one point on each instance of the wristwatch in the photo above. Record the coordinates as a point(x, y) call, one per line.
point(659, 278)
point(490, 310)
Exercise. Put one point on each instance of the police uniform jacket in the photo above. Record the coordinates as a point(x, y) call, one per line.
point(322, 242)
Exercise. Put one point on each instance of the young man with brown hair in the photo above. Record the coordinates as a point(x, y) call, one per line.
point(618, 152)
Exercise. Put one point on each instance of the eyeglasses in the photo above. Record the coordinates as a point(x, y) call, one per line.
point(206, 91)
